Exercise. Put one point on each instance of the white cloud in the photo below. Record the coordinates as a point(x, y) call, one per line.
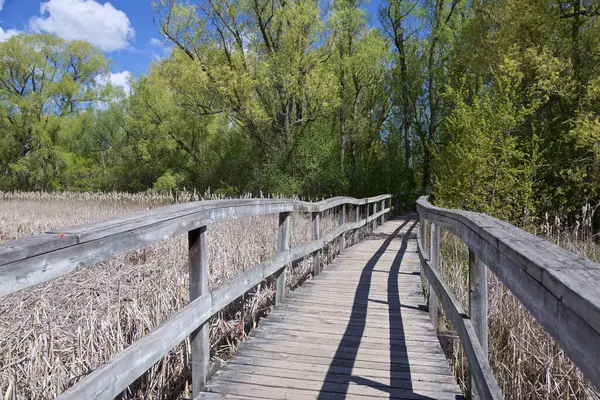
point(5, 35)
point(118, 79)
point(100, 24)
point(1, 5)
point(154, 42)
point(160, 48)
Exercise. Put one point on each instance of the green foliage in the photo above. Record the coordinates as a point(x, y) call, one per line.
point(491, 106)
point(492, 156)
point(520, 138)
point(43, 81)
point(166, 183)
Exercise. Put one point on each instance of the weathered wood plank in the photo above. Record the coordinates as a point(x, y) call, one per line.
point(290, 388)
point(14, 250)
point(42, 267)
point(423, 359)
point(114, 377)
point(487, 387)
point(341, 222)
point(199, 341)
point(344, 363)
point(367, 332)
point(212, 211)
point(221, 396)
point(478, 306)
point(316, 234)
point(315, 376)
point(417, 321)
point(283, 244)
point(378, 344)
point(559, 288)
point(434, 250)
point(343, 314)
point(321, 324)
point(440, 375)
point(329, 330)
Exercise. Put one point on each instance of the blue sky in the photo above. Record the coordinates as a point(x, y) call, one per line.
point(123, 29)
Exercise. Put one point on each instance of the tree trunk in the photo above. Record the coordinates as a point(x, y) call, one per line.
point(406, 107)
point(575, 51)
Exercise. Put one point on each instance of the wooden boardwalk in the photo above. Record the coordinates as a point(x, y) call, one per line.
point(359, 330)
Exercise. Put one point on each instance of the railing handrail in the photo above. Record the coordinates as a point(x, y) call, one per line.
point(35, 259)
point(40, 258)
point(559, 288)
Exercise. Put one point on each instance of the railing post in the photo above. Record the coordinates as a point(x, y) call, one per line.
point(199, 340)
point(283, 244)
point(367, 210)
point(423, 228)
point(356, 219)
point(478, 307)
point(342, 221)
point(316, 234)
point(374, 223)
point(433, 260)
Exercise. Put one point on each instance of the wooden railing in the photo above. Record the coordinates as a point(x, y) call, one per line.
point(559, 288)
point(36, 259)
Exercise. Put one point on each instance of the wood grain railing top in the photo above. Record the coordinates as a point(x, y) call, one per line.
point(36, 259)
point(559, 288)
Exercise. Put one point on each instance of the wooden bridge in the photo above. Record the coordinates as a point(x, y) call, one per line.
point(361, 328)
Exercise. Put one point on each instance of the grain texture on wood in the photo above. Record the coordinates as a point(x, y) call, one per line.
point(199, 341)
point(316, 234)
point(478, 306)
point(487, 387)
point(283, 244)
point(358, 330)
point(434, 250)
point(36, 259)
point(559, 288)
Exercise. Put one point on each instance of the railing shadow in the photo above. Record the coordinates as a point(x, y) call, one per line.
point(399, 367)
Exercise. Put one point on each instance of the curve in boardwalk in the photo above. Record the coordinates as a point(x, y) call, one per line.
point(357, 331)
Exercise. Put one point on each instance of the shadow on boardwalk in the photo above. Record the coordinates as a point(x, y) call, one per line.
point(400, 384)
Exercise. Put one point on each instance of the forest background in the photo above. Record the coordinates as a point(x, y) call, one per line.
point(489, 105)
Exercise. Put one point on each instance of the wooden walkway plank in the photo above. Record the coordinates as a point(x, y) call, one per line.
point(359, 330)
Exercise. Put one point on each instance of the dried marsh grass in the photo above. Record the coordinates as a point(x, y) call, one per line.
point(53, 334)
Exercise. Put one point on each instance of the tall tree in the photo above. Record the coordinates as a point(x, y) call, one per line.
point(260, 61)
point(361, 56)
point(42, 80)
point(394, 17)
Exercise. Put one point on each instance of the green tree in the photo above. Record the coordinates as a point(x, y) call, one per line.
point(43, 80)
point(360, 59)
